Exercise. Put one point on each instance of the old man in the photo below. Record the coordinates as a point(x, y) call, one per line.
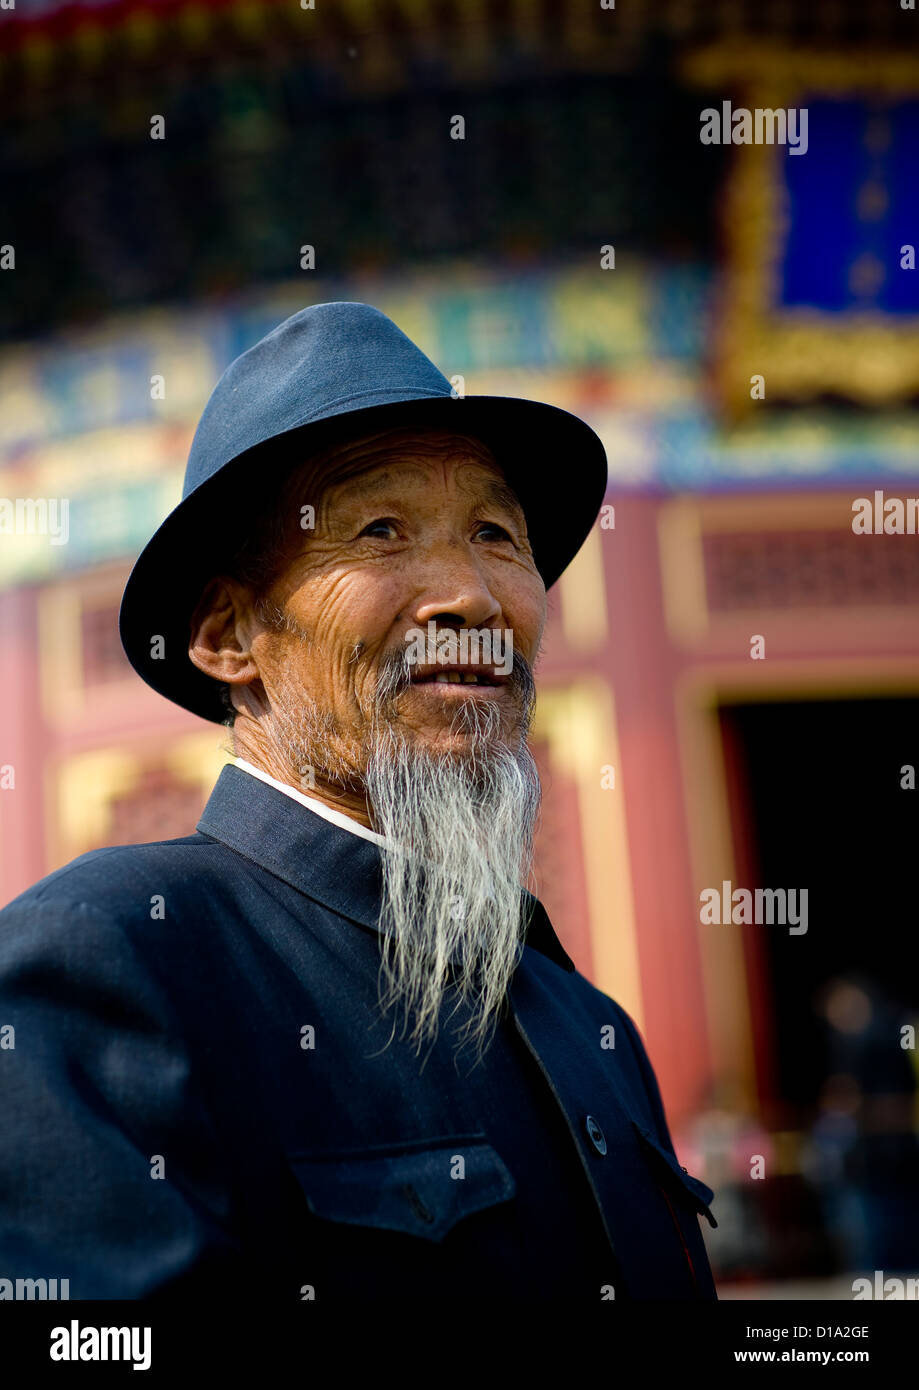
point(347, 1056)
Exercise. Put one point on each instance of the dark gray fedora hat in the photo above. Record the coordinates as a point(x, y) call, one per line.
point(329, 373)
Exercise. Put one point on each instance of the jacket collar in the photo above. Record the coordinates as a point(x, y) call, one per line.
point(340, 870)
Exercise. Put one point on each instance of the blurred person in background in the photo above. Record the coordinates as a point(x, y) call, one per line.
point(865, 1135)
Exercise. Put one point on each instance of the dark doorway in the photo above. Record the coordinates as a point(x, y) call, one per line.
point(818, 804)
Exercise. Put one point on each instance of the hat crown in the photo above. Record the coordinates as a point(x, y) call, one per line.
point(323, 361)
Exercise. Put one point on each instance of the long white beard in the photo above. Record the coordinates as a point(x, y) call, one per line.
point(454, 893)
point(466, 823)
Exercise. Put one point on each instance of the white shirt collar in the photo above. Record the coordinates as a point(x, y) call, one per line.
point(313, 804)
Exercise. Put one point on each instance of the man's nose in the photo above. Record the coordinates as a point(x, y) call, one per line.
point(457, 593)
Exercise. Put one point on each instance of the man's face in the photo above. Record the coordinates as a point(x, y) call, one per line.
point(426, 531)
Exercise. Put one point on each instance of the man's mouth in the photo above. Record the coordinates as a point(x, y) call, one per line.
point(483, 678)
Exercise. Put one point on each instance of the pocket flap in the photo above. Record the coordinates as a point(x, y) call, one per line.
point(699, 1194)
point(421, 1191)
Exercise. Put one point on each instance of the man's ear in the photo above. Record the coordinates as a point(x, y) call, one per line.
point(222, 628)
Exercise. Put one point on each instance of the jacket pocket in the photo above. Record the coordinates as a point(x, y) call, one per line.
point(420, 1189)
point(674, 1178)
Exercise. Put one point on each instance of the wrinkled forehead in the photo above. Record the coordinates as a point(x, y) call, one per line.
point(379, 462)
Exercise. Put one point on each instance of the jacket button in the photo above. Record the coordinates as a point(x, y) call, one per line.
point(596, 1135)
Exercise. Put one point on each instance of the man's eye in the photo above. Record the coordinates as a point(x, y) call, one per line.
point(383, 521)
point(491, 526)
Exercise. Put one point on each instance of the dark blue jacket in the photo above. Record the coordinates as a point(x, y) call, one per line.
point(205, 1010)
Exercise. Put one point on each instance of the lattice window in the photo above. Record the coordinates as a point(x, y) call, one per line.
point(809, 569)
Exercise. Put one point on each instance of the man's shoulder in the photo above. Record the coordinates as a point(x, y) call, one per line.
point(116, 882)
point(114, 921)
point(614, 1026)
point(591, 999)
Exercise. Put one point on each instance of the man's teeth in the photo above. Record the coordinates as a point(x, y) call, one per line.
point(454, 678)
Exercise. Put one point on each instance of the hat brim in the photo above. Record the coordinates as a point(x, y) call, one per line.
point(553, 460)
